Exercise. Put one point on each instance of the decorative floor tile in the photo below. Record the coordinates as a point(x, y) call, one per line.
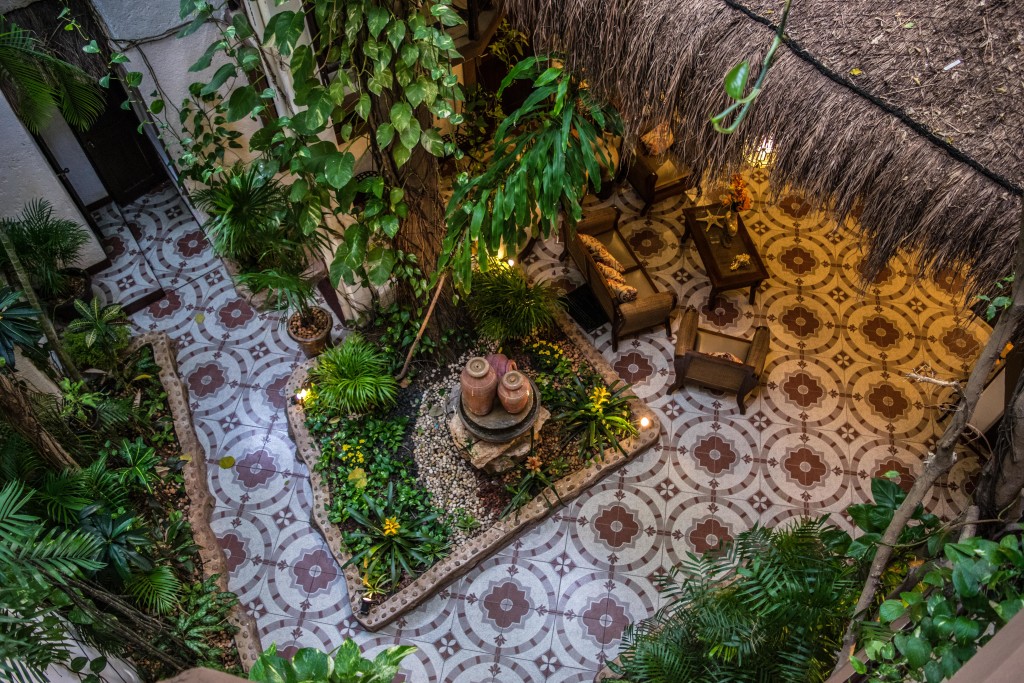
point(833, 409)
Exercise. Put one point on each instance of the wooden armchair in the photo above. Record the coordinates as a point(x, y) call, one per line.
point(694, 362)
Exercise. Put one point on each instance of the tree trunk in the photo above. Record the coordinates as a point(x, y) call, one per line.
point(944, 456)
point(44, 320)
point(1002, 477)
point(16, 406)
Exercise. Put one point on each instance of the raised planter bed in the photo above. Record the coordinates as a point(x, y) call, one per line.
point(486, 543)
point(194, 473)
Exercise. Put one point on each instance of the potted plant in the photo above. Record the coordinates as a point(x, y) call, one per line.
point(253, 227)
point(309, 324)
point(48, 246)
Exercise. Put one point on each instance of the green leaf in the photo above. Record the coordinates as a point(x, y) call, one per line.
point(964, 580)
point(242, 101)
point(916, 650)
point(363, 106)
point(133, 79)
point(380, 264)
point(156, 106)
point(377, 19)
point(204, 61)
point(432, 142)
point(736, 80)
point(118, 58)
point(385, 134)
point(389, 224)
point(887, 493)
point(310, 664)
point(401, 116)
point(219, 78)
point(446, 14)
point(965, 629)
point(338, 169)
point(400, 153)
point(858, 665)
point(891, 610)
point(91, 48)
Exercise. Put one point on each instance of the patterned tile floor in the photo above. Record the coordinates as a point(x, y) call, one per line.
point(833, 410)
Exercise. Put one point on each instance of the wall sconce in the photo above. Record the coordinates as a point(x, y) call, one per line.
point(761, 156)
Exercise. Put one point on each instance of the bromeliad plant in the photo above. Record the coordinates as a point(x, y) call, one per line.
point(398, 544)
point(534, 479)
point(595, 414)
point(103, 331)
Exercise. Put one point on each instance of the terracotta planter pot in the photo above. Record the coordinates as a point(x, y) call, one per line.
point(514, 392)
point(479, 383)
point(312, 340)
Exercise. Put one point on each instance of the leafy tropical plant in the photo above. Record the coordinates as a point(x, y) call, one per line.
point(286, 291)
point(952, 612)
point(398, 544)
point(506, 306)
point(42, 82)
point(532, 481)
point(248, 219)
point(18, 325)
point(77, 403)
point(156, 589)
point(120, 540)
point(45, 244)
point(140, 464)
point(345, 665)
point(770, 606)
point(352, 377)
point(202, 615)
point(595, 414)
point(102, 328)
point(547, 154)
point(34, 562)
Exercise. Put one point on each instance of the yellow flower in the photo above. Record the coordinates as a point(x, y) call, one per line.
point(598, 397)
point(391, 526)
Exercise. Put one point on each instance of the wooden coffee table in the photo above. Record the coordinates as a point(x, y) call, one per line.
point(718, 257)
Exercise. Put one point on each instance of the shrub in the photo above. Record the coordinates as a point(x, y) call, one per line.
point(45, 244)
point(595, 414)
point(345, 666)
point(393, 542)
point(771, 606)
point(352, 377)
point(95, 356)
point(506, 306)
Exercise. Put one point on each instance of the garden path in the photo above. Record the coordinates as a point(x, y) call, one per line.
point(833, 410)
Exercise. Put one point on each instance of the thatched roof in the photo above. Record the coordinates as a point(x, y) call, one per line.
point(870, 112)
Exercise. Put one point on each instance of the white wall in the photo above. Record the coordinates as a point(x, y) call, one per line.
point(66, 149)
point(27, 175)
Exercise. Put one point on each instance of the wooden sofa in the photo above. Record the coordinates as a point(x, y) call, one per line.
point(694, 362)
point(652, 306)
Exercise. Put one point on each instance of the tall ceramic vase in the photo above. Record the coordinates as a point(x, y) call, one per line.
point(514, 392)
point(479, 383)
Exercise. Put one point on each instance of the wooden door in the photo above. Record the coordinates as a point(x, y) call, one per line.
point(123, 157)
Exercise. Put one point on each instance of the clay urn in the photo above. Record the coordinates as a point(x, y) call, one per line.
point(500, 363)
point(479, 382)
point(514, 392)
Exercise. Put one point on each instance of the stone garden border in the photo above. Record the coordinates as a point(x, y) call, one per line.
point(485, 545)
point(247, 639)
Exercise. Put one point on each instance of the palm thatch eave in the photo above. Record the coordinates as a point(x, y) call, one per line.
point(854, 151)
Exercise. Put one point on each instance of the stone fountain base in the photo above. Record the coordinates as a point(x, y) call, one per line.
point(495, 458)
